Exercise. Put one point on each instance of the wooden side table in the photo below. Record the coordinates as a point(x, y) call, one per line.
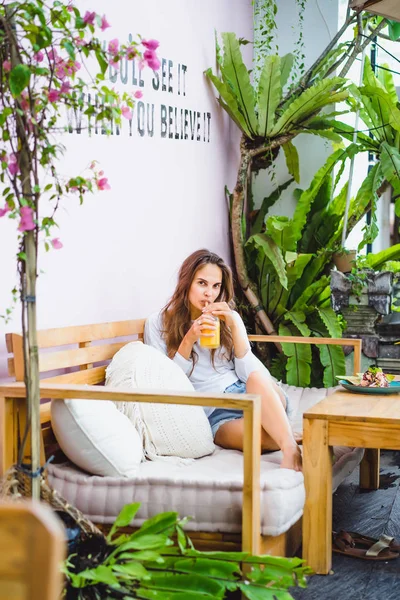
point(342, 419)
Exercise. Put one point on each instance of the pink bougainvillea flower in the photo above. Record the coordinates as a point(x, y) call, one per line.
point(65, 87)
point(92, 164)
point(126, 112)
point(113, 62)
point(104, 23)
point(79, 41)
point(150, 58)
point(89, 17)
point(39, 56)
point(53, 54)
point(7, 66)
point(113, 46)
point(70, 7)
point(53, 95)
point(138, 94)
point(13, 166)
point(5, 210)
point(26, 223)
point(24, 101)
point(57, 245)
point(150, 44)
point(131, 52)
point(103, 184)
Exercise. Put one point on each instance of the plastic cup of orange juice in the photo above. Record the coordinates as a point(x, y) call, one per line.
point(213, 341)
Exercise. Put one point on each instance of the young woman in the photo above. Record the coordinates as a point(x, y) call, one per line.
point(205, 291)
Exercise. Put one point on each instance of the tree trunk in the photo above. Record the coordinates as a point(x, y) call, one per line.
point(28, 287)
point(238, 202)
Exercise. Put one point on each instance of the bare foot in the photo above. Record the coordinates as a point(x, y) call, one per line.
point(298, 436)
point(292, 458)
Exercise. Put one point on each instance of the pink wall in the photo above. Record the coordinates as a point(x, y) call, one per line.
point(122, 248)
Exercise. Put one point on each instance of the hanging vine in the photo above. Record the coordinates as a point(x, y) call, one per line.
point(299, 51)
point(265, 30)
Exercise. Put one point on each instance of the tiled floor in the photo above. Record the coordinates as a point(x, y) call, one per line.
point(371, 513)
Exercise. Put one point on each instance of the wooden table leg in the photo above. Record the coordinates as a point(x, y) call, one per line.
point(317, 520)
point(369, 469)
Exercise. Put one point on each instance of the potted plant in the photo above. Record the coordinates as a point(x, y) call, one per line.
point(344, 259)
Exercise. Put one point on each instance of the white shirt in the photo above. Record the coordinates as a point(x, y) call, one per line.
point(205, 377)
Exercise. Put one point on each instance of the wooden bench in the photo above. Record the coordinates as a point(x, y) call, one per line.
point(73, 362)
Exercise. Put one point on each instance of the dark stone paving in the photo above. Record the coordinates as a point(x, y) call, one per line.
point(371, 513)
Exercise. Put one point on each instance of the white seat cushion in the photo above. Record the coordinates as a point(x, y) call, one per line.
point(209, 490)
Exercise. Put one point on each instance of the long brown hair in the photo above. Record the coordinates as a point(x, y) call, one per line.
point(176, 317)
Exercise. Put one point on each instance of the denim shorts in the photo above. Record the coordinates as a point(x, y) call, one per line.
point(219, 416)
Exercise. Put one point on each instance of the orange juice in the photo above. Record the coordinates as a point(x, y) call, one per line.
point(214, 341)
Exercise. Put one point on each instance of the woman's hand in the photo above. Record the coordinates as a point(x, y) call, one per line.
point(222, 311)
point(203, 323)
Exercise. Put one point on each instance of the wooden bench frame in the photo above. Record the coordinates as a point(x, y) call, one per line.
point(83, 384)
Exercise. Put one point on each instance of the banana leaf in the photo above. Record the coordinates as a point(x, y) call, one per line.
point(269, 94)
point(272, 252)
point(266, 204)
point(234, 72)
point(229, 102)
point(298, 366)
point(292, 158)
point(306, 104)
point(390, 161)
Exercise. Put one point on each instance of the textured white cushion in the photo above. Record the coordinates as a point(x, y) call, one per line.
point(97, 437)
point(169, 430)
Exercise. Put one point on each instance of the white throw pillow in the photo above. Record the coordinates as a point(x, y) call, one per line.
point(169, 430)
point(97, 437)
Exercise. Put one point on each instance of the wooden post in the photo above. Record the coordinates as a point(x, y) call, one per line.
point(251, 519)
point(317, 519)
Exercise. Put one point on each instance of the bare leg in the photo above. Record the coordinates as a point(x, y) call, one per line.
point(276, 431)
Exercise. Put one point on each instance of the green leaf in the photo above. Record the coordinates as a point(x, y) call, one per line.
point(272, 252)
point(102, 61)
point(375, 261)
point(19, 79)
point(298, 319)
point(299, 359)
point(207, 567)
point(186, 583)
point(311, 100)
point(269, 94)
point(266, 204)
point(311, 293)
point(125, 517)
point(159, 523)
point(133, 570)
point(292, 160)
point(286, 66)
point(390, 161)
point(144, 542)
point(253, 592)
point(332, 357)
point(100, 574)
point(235, 74)
point(394, 30)
point(386, 110)
point(386, 79)
point(229, 102)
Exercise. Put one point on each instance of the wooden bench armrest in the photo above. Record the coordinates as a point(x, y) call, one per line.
point(249, 403)
point(318, 341)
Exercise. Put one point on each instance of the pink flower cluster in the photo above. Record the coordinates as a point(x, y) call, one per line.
point(149, 56)
point(89, 18)
point(26, 223)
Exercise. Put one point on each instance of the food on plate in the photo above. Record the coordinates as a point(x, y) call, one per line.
point(375, 377)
